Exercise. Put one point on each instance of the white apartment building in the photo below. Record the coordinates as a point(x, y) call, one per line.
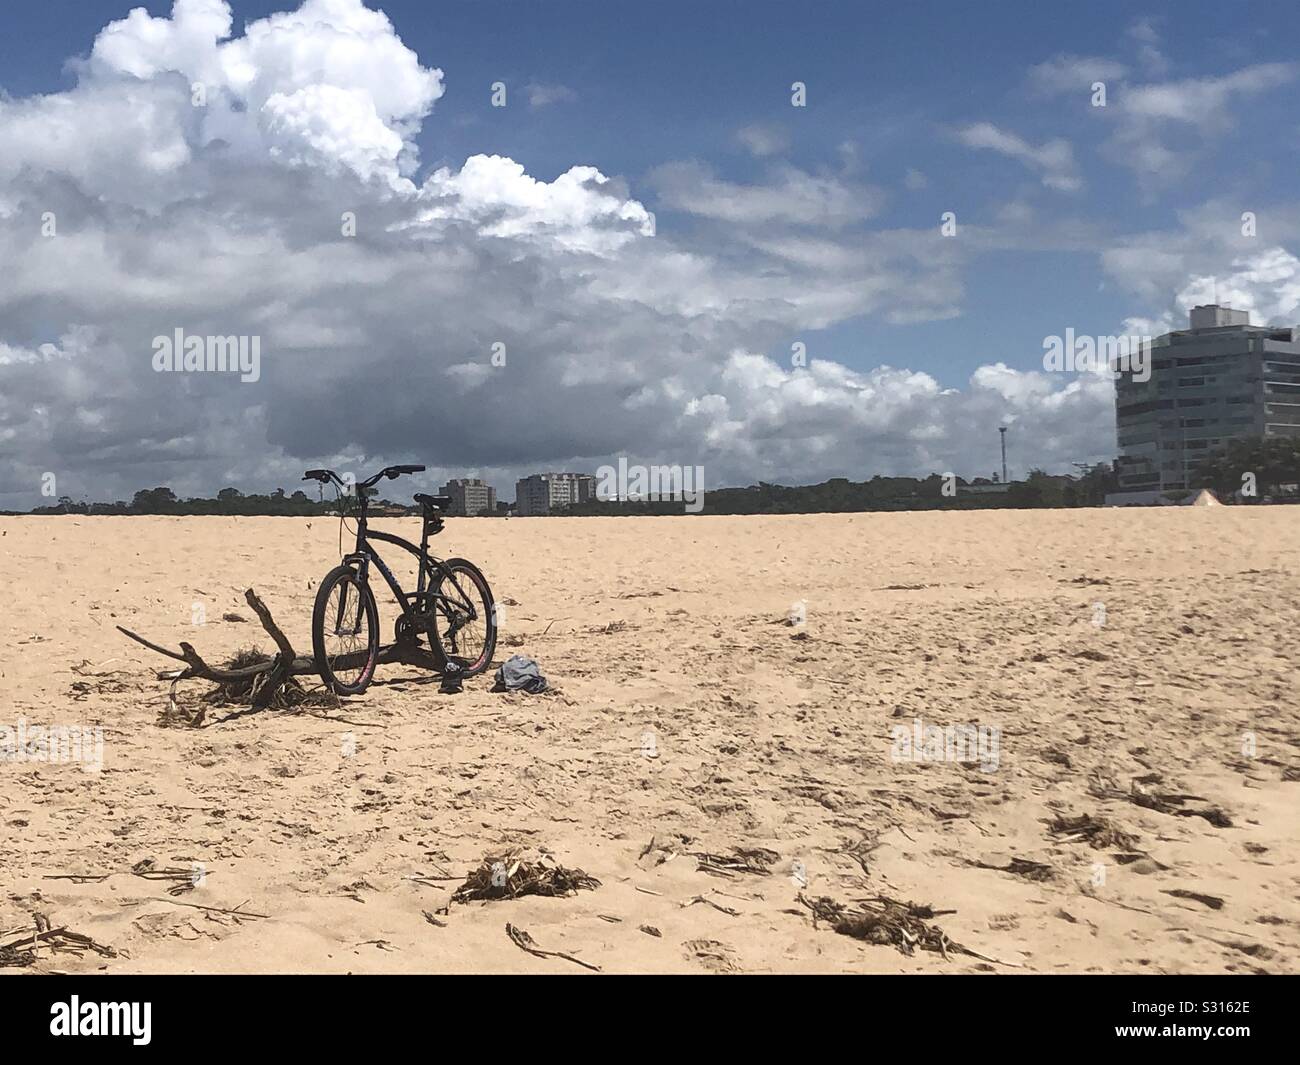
point(549, 493)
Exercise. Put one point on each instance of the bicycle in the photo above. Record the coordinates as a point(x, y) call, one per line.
point(452, 604)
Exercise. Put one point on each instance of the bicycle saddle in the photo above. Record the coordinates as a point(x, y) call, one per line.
point(433, 502)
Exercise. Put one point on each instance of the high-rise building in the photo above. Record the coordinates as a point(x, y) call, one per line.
point(1221, 378)
point(546, 493)
point(470, 496)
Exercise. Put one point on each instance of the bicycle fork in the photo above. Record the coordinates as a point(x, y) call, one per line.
point(363, 566)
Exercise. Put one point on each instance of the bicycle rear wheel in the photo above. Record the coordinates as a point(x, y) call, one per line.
point(464, 628)
point(345, 632)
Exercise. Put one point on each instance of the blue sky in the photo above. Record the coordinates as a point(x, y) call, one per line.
point(675, 80)
point(1104, 220)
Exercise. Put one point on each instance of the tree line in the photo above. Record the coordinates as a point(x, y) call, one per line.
point(1272, 463)
point(228, 501)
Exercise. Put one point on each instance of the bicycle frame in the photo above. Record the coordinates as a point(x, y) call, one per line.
point(429, 566)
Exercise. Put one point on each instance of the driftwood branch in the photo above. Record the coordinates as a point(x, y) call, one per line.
point(197, 667)
point(265, 680)
point(281, 671)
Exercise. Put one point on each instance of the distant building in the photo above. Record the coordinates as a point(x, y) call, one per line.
point(1222, 378)
point(546, 493)
point(470, 496)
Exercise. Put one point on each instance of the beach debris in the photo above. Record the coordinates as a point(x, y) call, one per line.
point(182, 880)
point(1212, 901)
point(514, 874)
point(251, 677)
point(98, 684)
point(862, 850)
point(25, 950)
point(1141, 861)
point(525, 942)
point(256, 679)
point(236, 913)
point(1099, 832)
point(650, 930)
point(433, 920)
point(1030, 870)
point(888, 922)
point(711, 954)
point(709, 902)
point(660, 853)
point(11, 956)
point(757, 860)
point(1169, 803)
point(79, 878)
point(84, 668)
point(519, 673)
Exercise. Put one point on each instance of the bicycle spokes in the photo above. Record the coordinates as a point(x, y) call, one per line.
point(347, 608)
point(462, 622)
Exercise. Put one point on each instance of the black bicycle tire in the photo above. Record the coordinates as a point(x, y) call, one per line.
point(327, 676)
point(490, 641)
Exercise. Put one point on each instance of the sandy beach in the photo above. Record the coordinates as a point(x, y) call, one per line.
point(1139, 667)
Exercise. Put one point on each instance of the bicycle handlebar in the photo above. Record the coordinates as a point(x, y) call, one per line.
point(390, 472)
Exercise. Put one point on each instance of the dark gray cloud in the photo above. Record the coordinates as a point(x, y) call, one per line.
point(229, 219)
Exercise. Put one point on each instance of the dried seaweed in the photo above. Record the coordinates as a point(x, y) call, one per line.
point(511, 875)
point(12, 956)
point(741, 860)
point(182, 880)
point(1171, 803)
point(862, 850)
point(1212, 901)
point(888, 922)
point(23, 951)
point(1030, 870)
point(1099, 832)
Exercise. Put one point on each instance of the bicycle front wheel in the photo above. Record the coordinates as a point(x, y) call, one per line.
point(464, 628)
point(345, 632)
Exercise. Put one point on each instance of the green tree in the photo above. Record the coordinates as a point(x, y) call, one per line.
point(1272, 462)
point(153, 500)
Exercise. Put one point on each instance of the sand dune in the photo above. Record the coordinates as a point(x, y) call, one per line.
point(1118, 654)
